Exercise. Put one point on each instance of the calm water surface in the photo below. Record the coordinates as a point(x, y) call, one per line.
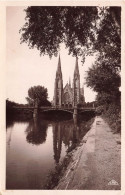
point(34, 149)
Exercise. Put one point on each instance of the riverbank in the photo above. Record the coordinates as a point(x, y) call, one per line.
point(54, 177)
point(96, 163)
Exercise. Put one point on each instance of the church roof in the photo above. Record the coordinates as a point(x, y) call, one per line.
point(67, 86)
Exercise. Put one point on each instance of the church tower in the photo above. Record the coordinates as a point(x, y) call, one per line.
point(58, 90)
point(82, 95)
point(76, 85)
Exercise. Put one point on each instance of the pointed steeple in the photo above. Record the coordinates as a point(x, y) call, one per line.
point(76, 84)
point(76, 71)
point(69, 82)
point(82, 94)
point(58, 90)
point(82, 89)
point(59, 71)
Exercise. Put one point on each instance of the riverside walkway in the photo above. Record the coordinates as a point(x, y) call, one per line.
point(96, 163)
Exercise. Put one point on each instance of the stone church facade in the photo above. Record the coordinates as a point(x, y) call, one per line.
point(69, 96)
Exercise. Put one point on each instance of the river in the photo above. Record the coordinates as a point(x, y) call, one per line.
point(35, 147)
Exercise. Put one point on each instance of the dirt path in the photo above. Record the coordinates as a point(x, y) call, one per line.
point(96, 163)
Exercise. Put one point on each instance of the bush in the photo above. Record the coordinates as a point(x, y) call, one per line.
point(113, 117)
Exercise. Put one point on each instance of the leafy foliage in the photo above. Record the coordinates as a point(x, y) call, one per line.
point(30, 101)
point(10, 105)
point(113, 115)
point(47, 27)
point(108, 42)
point(103, 79)
point(104, 75)
point(38, 93)
point(107, 98)
point(84, 30)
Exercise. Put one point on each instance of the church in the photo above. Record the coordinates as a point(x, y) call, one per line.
point(68, 96)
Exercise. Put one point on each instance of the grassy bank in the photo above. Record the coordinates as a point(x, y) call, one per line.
point(112, 114)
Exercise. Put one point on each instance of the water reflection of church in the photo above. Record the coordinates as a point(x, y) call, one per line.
point(66, 133)
point(68, 96)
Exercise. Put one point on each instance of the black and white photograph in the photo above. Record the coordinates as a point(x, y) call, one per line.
point(63, 97)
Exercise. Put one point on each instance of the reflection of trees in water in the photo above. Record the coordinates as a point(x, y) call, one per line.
point(36, 131)
point(9, 123)
point(8, 136)
point(12, 119)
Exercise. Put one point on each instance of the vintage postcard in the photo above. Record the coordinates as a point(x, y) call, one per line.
point(62, 97)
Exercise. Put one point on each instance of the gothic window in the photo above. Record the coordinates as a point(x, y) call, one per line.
point(70, 105)
point(62, 105)
point(66, 97)
point(66, 105)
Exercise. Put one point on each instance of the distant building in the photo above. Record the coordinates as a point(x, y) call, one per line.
point(68, 96)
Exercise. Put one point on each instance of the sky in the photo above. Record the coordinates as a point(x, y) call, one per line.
point(25, 67)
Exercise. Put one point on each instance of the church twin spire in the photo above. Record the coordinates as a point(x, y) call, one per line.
point(59, 71)
point(67, 96)
point(69, 82)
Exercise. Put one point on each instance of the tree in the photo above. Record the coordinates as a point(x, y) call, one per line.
point(38, 93)
point(103, 79)
point(104, 76)
point(108, 41)
point(83, 33)
point(84, 30)
point(30, 101)
point(47, 27)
